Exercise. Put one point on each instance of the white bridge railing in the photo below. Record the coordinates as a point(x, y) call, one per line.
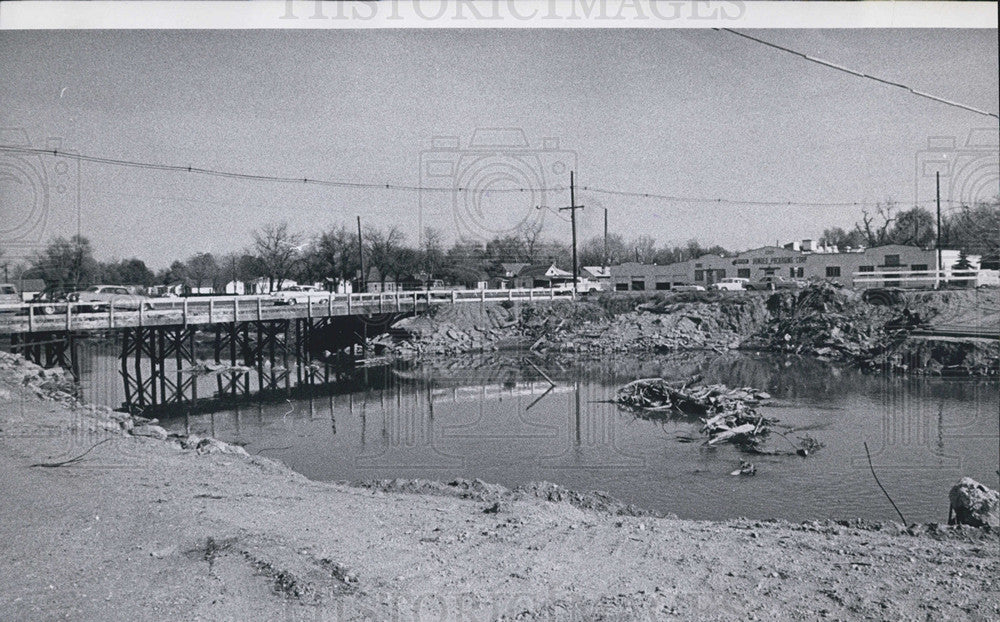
point(97, 315)
point(923, 278)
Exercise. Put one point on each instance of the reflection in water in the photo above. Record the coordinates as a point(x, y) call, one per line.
point(499, 419)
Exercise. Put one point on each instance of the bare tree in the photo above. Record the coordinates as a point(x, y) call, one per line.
point(874, 228)
point(278, 250)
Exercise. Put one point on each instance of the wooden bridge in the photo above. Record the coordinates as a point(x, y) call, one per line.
point(249, 334)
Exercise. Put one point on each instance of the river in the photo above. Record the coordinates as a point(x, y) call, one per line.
point(495, 417)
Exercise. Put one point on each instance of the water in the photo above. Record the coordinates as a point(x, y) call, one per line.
point(496, 418)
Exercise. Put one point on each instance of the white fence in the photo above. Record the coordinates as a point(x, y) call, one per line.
point(926, 278)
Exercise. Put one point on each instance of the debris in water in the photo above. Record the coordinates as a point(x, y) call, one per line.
point(746, 468)
point(727, 415)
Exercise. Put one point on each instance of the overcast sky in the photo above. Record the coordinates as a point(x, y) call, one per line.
point(682, 113)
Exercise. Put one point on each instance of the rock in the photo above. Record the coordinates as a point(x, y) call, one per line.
point(150, 430)
point(974, 504)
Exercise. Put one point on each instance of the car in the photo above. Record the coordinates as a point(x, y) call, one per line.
point(730, 284)
point(299, 294)
point(48, 303)
point(10, 300)
point(773, 281)
point(102, 297)
point(685, 287)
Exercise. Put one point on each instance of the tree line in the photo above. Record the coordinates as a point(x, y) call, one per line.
point(276, 254)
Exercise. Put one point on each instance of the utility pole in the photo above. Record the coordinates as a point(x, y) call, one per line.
point(572, 218)
point(937, 179)
point(361, 259)
point(605, 239)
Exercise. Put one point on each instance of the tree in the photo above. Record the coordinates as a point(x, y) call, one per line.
point(383, 249)
point(201, 268)
point(126, 272)
point(432, 253)
point(836, 236)
point(278, 250)
point(643, 249)
point(874, 227)
point(65, 265)
point(591, 252)
point(914, 227)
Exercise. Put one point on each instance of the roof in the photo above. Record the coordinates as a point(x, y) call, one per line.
point(543, 269)
point(513, 268)
point(598, 272)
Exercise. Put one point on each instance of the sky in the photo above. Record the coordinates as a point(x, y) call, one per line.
point(697, 114)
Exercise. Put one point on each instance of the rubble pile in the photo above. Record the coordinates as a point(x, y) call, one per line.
point(48, 384)
point(831, 323)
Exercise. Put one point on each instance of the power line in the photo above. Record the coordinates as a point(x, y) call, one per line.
point(418, 188)
point(724, 201)
point(860, 74)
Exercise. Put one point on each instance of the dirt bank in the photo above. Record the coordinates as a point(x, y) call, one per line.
point(821, 320)
point(135, 527)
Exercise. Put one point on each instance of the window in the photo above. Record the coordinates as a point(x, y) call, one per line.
point(743, 273)
point(638, 285)
point(866, 268)
point(832, 271)
point(621, 287)
point(919, 267)
point(892, 260)
point(699, 275)
point(660, 285)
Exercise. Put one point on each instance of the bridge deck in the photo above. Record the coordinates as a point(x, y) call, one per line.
point(30, 318)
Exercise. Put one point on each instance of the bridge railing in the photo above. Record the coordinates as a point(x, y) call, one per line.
point(96, 315)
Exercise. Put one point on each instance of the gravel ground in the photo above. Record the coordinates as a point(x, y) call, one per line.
point(141, 528)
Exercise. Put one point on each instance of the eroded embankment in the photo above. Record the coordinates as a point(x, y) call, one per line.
point(819, 320)
point(101, 519)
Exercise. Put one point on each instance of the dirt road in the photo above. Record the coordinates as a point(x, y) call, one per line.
point(142, 529)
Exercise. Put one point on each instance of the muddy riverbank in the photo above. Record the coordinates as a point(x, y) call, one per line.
point(135, 526)
point(821, 321)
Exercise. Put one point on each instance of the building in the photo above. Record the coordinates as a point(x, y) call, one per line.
point(375, 283)
point(828, 264)
point(542, 275)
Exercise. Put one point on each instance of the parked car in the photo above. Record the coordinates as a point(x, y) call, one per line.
point(9, 298)
point(775, 282)
point(299, 294)
point(50, 303)
point(730, 284)
point(101, 297)
point(684, 287)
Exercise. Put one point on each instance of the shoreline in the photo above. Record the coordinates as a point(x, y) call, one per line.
point(147, 528)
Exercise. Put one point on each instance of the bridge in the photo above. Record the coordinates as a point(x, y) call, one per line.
point(250, 335)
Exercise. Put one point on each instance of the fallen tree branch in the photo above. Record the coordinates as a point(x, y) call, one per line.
point(71, 461)
point(867, 453)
